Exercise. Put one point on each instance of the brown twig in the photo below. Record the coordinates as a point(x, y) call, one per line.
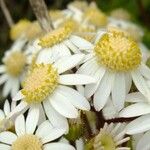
point(6, 13)
point(41, 12)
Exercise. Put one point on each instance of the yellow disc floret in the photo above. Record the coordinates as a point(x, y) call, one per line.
point(15, 63)
point(95, 17)
point(41, 81)
point(19, 28)
point(34, 31)
point(27, 142)
point(57, 35)
point(118, 52)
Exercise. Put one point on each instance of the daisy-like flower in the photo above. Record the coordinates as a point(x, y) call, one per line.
point(110, 137)
point(60, 42)
point(13, 68)
point(141, 107)
point(45, 85)
point(28, 137)
point(114, 62)
point(6, 124)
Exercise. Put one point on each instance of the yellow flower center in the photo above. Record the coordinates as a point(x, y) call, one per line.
point(41, 81)
point(96, 17)
point(15, 63)
point(57, 35)
point(104, 141)
point(19, 28)
point(34, 31)
point(117, 51)
point(27, 142)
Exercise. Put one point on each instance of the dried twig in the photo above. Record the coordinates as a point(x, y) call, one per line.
point(40, 9)
point(6, 13)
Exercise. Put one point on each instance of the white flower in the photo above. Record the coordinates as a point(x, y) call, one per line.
point(13, 69)
point(5, 123)
point(114, 62)
point(28, 137)
point(141, 107)
point(45, 85)
point(143, 143)
point(110, 137)
point(58, 43)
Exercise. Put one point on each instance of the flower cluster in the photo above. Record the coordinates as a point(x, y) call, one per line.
point(84, 85)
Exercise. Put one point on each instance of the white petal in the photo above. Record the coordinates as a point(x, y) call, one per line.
point(119, 91)
point(13, 105)
point(20, 125)
point(74, 97)
point(89, 68)
point(15, 88)
point(128, 82)
point(2, 115)
point(139, 125)
point(43, 128)
point(62, 105)
point(18, 109)
point(7, 137)
point(54, 133)
point(143, 143)
point(91, 88)
point(80, 89)
point(67, 63)
point(145, 71)
point(135, 110)
point(135, 97)
point(2, 68)
point(18, 96)
point(140, 83)
point(71, 46)
point(6, 107)
point(103, 91)
point(42, 116)
point(32, 119)
point(60, 51)
point(7, 87)
point(4, 147)
point(45, 56)
point(18, 44)
point(79, 144)
point(3, 78)
point(57, 146)
point(54, 117)
point(75, 79)
point(80, 42)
